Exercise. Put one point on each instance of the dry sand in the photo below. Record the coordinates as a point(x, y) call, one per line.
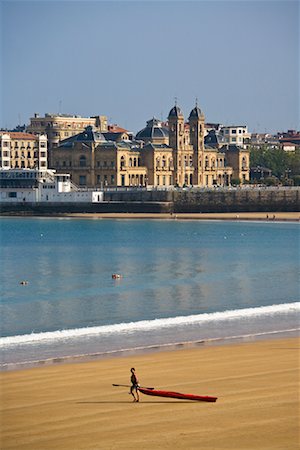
point(74, 406)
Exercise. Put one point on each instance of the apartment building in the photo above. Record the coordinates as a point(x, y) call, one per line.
point(236, 135)
point(20, 150)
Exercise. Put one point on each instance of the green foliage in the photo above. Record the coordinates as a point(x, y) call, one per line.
point(296, 180)
point(283, 164)
point(271, 181)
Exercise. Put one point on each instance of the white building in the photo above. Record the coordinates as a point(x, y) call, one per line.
point(236, 135)
point(35, 186)
point(23, 150)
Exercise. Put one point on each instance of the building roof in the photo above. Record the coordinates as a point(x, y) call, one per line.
point(113, 136)
point(214, 139)
point(19, 135)
point(156, 146)
point(116, 129)
point(232, 148)
point(175, 112)
point(196, 113)
point(88, 135)
point(153, 130)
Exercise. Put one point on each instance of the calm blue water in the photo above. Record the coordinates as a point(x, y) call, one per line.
point(170, 269)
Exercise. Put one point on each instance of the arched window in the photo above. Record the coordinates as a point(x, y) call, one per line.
point(244, 163)
point(163, 162)
point(130, 162)
point(134, 162)
point(122, 162)
point(213, 163)
point(158, 162)
point(191, 161)
point(82, 161)
point(206, 162)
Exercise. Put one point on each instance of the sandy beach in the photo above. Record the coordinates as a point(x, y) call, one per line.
point(265, 216)
point(75, 406)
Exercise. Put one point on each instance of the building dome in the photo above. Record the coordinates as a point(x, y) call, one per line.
point(195, 113)
point(175, 112)
point(154, 131)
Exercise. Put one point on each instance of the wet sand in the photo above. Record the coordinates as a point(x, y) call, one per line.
point(75, 406)
point(271, 216)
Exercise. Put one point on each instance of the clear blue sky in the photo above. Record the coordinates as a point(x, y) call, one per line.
point(129, 60)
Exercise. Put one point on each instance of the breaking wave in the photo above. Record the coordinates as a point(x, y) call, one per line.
point(148, 325)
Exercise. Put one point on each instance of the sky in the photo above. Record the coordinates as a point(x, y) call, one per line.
point(131, 60)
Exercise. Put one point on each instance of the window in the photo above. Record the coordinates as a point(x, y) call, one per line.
point(112, 179)
point(233, 131)
point(82, 161)
point(82, 180)
point(12, 194)
point(233, 139)
point(98, 179)
point(122, 163)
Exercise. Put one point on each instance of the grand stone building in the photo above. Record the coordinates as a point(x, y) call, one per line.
point(58, 127)
point(159, 156)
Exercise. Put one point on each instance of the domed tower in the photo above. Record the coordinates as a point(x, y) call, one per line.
point(176, 128)
point(196, 122)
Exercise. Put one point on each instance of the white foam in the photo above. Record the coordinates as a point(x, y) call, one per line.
point(146, 325)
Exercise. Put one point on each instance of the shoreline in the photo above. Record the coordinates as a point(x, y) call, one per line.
point(148, 349)
point(75, 406)
point(268, 217)
point(230, 216)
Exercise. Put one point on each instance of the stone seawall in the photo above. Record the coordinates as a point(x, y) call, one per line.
point(177, 201)
point(239, 200)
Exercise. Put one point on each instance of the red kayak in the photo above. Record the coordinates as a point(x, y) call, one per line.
point(171, 394)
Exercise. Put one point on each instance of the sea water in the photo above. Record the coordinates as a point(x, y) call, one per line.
point(181, 282)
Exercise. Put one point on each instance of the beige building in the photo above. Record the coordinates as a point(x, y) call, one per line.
point(58, 127)
point(160, 156)
point(23, 151)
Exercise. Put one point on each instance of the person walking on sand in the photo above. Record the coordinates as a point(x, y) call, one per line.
point(134, 385)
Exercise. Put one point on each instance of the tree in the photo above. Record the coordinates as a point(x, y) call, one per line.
point(283, 164)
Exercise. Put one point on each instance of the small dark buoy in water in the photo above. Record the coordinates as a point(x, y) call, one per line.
point(24, 283)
